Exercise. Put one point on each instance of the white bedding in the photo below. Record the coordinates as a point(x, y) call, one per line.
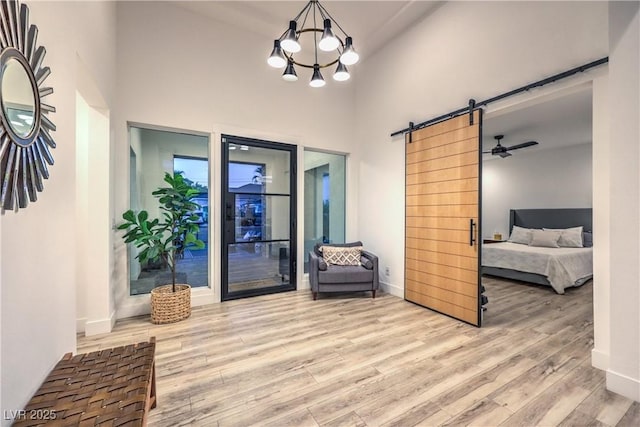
point(563, 267)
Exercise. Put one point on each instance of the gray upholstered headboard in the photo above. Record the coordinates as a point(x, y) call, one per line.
point(551, 218)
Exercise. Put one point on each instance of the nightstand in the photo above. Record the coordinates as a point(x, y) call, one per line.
point(485, 241)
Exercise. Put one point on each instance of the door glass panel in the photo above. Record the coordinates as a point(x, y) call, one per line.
point(256, 265)
point(324, 200)
point(258, 170)
point(260, 217)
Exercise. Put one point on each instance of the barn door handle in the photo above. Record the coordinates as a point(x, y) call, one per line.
point(472, 225)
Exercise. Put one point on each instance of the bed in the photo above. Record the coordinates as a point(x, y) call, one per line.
point(559, 268)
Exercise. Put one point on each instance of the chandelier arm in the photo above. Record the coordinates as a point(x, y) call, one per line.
point(315, 36)
point(306, 7)
point(304, 21)
point(324, 16)
point(322, 8)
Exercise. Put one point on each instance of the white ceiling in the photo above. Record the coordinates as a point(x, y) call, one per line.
point(556, 123)
point(371, 23)
point(560, 122)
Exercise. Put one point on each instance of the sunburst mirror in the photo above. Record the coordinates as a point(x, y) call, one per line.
point(25, 139)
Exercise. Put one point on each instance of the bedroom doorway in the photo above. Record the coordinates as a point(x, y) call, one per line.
point(552, 182)
point(443, 217)
point(259, 217)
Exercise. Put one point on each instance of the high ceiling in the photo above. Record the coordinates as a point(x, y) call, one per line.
point(563, 121)
point(371, 23)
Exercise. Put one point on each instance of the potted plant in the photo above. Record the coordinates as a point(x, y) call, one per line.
point(165, 240)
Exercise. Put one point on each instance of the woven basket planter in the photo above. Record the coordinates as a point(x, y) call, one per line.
point(168, 306)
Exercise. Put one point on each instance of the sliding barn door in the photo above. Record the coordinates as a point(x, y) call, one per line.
point(442, 252)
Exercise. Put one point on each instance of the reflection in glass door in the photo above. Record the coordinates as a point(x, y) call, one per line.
point(259, 211)
point(324, 200)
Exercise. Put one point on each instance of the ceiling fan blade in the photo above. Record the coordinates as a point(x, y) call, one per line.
point(486, 152)
point(523, 145)
point(505, 154)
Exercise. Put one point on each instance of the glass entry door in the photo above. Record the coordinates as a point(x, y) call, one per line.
point(258, 218)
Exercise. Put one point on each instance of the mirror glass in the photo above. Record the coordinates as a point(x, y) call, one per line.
point(18, 99)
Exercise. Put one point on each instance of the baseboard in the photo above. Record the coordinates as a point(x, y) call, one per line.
point(392, 289)
point(305, 284)
point(101, 326)
point(113, 319)
point(80, 323)
point(624, 385)
point(599, 360)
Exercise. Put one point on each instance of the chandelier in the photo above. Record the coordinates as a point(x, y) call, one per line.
point(285, 47)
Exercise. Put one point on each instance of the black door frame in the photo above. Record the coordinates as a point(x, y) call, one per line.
point(228, 197)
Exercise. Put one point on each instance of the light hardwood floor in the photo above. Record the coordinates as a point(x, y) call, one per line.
point(350, 360)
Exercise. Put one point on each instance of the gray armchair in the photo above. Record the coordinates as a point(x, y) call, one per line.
point(343, 278)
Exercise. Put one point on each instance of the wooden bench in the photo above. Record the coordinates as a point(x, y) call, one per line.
point(112, 387)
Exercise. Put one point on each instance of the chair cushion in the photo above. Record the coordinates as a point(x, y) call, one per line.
point(345, 274)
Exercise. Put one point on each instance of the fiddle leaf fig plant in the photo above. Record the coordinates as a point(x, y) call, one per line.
point(166, 240)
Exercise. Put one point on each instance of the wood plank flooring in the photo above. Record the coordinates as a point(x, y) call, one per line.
point(350, 360)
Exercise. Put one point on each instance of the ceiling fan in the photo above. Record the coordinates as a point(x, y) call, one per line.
point(502, 151)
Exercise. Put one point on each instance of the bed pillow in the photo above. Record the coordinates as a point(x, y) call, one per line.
point(587, 239)
point(342, 255)
point(569, 237)
point(520, 235)
point(545, 238)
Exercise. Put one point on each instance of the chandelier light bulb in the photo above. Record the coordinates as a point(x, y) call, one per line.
point(277, 59)
point(349, 56)
point(290, 41)
point(290, 73)
point(329, 41)
point(341, 74)
point(317, 80)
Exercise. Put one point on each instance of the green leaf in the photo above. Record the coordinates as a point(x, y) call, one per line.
point(142, 216)
point(129, 216)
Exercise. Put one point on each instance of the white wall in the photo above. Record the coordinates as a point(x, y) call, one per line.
point(176, 69)
point(462, 50)
point(38, 243)
point(601, 220)
point(550, 178)
point(623, 375)
point(95, 314)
